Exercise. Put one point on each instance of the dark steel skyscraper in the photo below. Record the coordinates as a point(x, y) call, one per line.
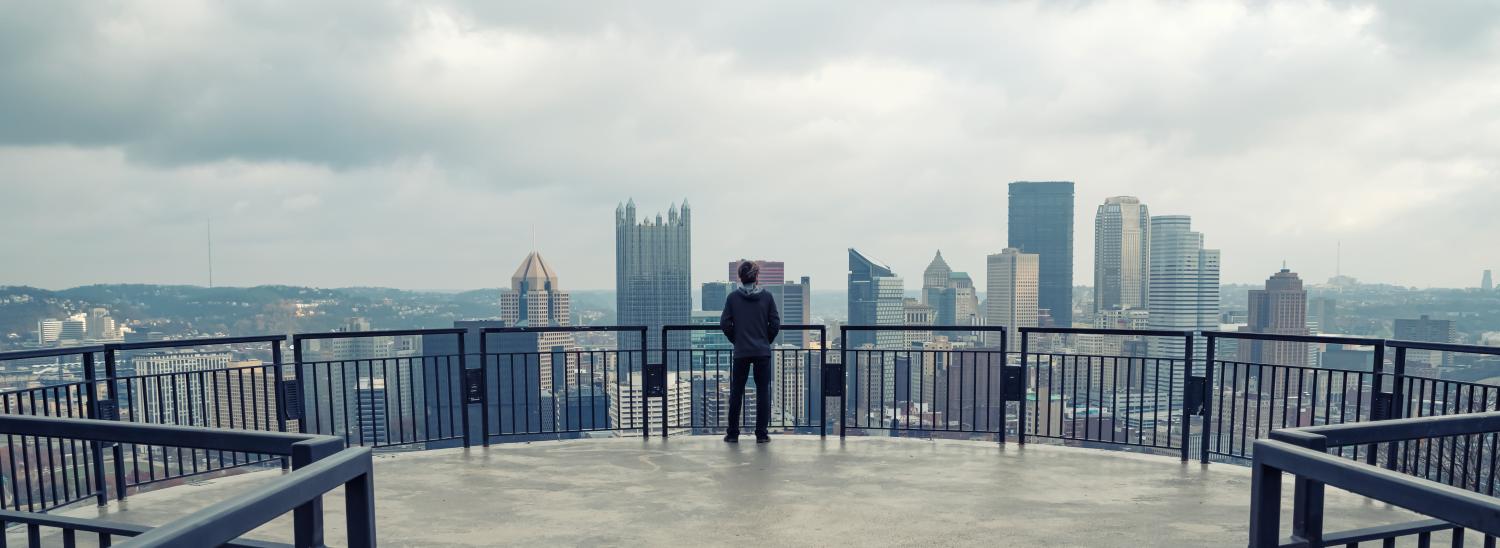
point(653, 272)
point(874, 299)
point(1041, 222)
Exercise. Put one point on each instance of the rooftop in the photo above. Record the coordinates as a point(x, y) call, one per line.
point(798, 490)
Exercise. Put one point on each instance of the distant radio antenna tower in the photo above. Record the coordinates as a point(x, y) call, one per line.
point(210, 227)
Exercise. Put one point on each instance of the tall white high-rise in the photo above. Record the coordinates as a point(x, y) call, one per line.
point(1012, 301)
point(1184, 292)
point(1122, 258)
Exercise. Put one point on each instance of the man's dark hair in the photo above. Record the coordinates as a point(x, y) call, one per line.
point(749, 271)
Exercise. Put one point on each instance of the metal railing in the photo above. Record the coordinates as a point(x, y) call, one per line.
point(1304, 453)
point(232, 396)
point(380, 388)
point(699, 383)
point(533, 388)
point(929, 390)
point(320, 464)
point(1133, 400)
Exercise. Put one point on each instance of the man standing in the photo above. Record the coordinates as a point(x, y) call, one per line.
point(751, 322)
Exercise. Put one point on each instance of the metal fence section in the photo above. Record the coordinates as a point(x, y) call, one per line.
point(935, 389)
point(320, 464)
point(1113, 393)
point(1248, 398)
point(698, 383)
point(1304, 453)
point(44, 472)
point(380, 388)
point(535, 383)
point(143, 383)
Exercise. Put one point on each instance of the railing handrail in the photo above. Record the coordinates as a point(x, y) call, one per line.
point(715, 327)
point(1105, 331)
point(1328, 339)
point(194, 437)
point(1444, 347)
point(179, 343)
point(107, 527)
point(296, 337)
point(987, 328)
point(565, 329)
point(1389, 430)
point(1457, 506)
point(227, 520)
point(50, 352)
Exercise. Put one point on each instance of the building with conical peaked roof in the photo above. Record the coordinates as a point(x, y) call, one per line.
point(535, 299)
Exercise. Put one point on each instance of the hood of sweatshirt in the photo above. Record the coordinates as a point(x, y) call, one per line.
point(751, 291)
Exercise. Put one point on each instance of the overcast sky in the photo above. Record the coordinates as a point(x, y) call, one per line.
point(416, 145)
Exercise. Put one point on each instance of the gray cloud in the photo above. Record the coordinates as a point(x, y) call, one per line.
point(348, 142)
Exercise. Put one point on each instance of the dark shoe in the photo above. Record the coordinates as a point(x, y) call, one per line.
point(731, 438)
point(762, 438)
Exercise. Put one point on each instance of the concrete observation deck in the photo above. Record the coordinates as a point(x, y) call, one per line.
point(796, 491)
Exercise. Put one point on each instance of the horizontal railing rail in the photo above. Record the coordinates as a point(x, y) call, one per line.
point(1303, 453)
point(13, 355)
point(299, 492)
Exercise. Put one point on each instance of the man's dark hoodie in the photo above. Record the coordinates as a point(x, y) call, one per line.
point(750, 321)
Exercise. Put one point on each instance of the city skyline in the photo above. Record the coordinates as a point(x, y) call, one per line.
point(1285, 129)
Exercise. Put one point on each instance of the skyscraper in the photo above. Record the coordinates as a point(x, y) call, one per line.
point(1426, 329)
point(951, 296)
point(1486, 282)
point(535, 299)
point(771, 272)
point(1279, 309)
point(875, 298)
point(1122, 259)
point(935, 278)
point(48, 331)
point(1184, 292)
point(653, 269)
point(1041, 223)
point(1013, 294)
point(714, 294)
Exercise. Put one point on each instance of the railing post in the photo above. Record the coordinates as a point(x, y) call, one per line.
point(1398, 400)
point(843, 398)
point(665, 418)
point(484, 406)
point(1187, 384)
point(91, 410)
point(646, 400)
point(1020, 402)
point(280, 394)
point(1307, 502)
point(118, 450)
point(307, 520)
point(1265, 506)
point(359, 509)
point(1205, 434)
point(1375, 392)
point(299, 370)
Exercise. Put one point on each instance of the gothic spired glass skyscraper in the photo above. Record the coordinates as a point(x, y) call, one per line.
point(1041, 222)
point(653, 271)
